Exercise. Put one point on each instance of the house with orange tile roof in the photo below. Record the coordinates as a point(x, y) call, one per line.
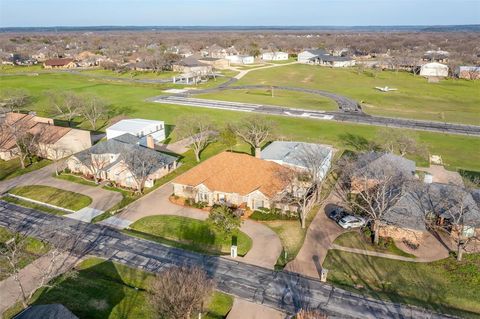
point(53, 142)
point(234, 179)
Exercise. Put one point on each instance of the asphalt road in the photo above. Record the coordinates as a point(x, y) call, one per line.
point(344, 116)
point(281, 290)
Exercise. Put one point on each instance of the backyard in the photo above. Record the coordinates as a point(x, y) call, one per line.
point(100, 289)
point(188, 233)
point(444, 286)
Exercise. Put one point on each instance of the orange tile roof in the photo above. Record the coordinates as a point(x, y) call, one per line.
point(237, 173)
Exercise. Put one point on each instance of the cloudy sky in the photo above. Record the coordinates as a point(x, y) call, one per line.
point(17, 13)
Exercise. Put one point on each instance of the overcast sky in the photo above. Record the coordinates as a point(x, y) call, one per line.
point(27, 13)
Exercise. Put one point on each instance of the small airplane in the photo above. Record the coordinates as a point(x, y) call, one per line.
point(385, 89)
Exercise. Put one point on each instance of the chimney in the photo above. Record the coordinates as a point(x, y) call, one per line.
point(150, 142)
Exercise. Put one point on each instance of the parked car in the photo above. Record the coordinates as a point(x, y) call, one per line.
point(350, 221)
point(337, 214)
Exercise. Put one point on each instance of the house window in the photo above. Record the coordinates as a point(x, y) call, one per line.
point(221, 197)
point(203, 197)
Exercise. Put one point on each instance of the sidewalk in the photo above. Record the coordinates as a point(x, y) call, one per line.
point(30, 277)
point(242, 309)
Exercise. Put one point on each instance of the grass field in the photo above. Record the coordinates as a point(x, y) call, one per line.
point(445, 285)
point(131, 74)
point(280, 98)
point(53, 196)
point(11, 168)
point(100, 289)
point(355, 239)
point(32, 249)
point(450, 100)
point(188, 233)
point(457, 151)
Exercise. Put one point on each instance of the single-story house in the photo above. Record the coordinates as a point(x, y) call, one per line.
point(295, 155)
point(216, 51)
point(434, 70)
point(53, 142)
point(105, 159)
point(60, 64)
point(307, 55)
point(333, 61)
point(216, 63)
point(468, 72)
point(436, 56)
point(192, 65)
point(240, 59)
point(233, 179)
point(275, 56)
point(49, 311)
point(140, 128)
point(435, 201)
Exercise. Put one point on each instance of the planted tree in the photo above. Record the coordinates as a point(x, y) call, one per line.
point(228, 138)
point(14, 100)
point(140, 163)
point(93, 109)
point(223, 220)
point(199, 130)
point(254, 130)
point(180, 292)
point(64, 104)
point(401, 143)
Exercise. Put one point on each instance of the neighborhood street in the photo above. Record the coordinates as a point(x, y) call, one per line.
point(281, 290)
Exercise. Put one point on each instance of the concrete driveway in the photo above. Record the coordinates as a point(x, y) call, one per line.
point(266, 245)
point(320, 236)
point(102, 199)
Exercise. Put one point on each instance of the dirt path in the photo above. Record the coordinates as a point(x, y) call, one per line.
point(266, 245)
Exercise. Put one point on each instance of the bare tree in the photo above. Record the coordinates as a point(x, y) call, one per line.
point(199, 130)
point(180, 293)
point(141, 164)
point(14, 100)
point(13, 252)
point(398, 142)
point(369, 191)
point(254, 130)
point(64, 104)
point(93, 109)
point(95, 163)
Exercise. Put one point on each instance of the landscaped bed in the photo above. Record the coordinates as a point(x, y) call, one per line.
point(101, 289)
point(355, 239)
point(445, 285)
point(31, 250)
point(188, 233)
point(53, 196)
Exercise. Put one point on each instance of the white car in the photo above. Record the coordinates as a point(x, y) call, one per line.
point(350, 221)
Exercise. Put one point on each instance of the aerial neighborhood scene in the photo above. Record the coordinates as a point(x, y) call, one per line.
point(239, 159)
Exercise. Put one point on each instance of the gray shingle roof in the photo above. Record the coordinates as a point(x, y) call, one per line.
point(52, 311)
point(373, 162)
point(123, 144)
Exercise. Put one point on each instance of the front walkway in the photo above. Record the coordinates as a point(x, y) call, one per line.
point(102, 199)
point(31, 276)
point(243, 309)
point(266, 245)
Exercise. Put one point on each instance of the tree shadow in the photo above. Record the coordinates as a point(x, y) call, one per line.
point(357, 142)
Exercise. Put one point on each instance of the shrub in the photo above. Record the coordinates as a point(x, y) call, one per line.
point(273, 214)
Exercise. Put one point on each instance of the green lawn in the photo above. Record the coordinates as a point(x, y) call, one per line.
point(53, 196)
point(450, 100)
point(457, 151)
point(100, 289)
point(280, 98)
point(31, 250)
point(445, 285)
point(74, 179)
point(188, 233)
point(11, 168)
point(131, 74)
point(355, 239)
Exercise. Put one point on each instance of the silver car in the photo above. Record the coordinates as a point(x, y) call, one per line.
point(350, 221)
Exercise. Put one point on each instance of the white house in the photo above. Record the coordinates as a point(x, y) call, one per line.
point(138, 127)
point(307, 55)
point(434, 69)
point(240, 59)
point(275, 56)
point(293, 154)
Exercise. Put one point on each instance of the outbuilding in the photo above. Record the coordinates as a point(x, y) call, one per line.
point(434, 70)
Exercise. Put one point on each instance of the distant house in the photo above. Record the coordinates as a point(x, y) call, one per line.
point(233, 179)
point(53, 142)
point(293, 154)
point(50, 311)
point(240, 59)
point(216, 63)
point(106, 160)
point(140, 128)
point(60, 64)
point(468, 72)
point(434, 70)
point(436, 56)
point(275, 56)
point(216, 51)
point(182, 50)
point(322, 57)
point(192, 65)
